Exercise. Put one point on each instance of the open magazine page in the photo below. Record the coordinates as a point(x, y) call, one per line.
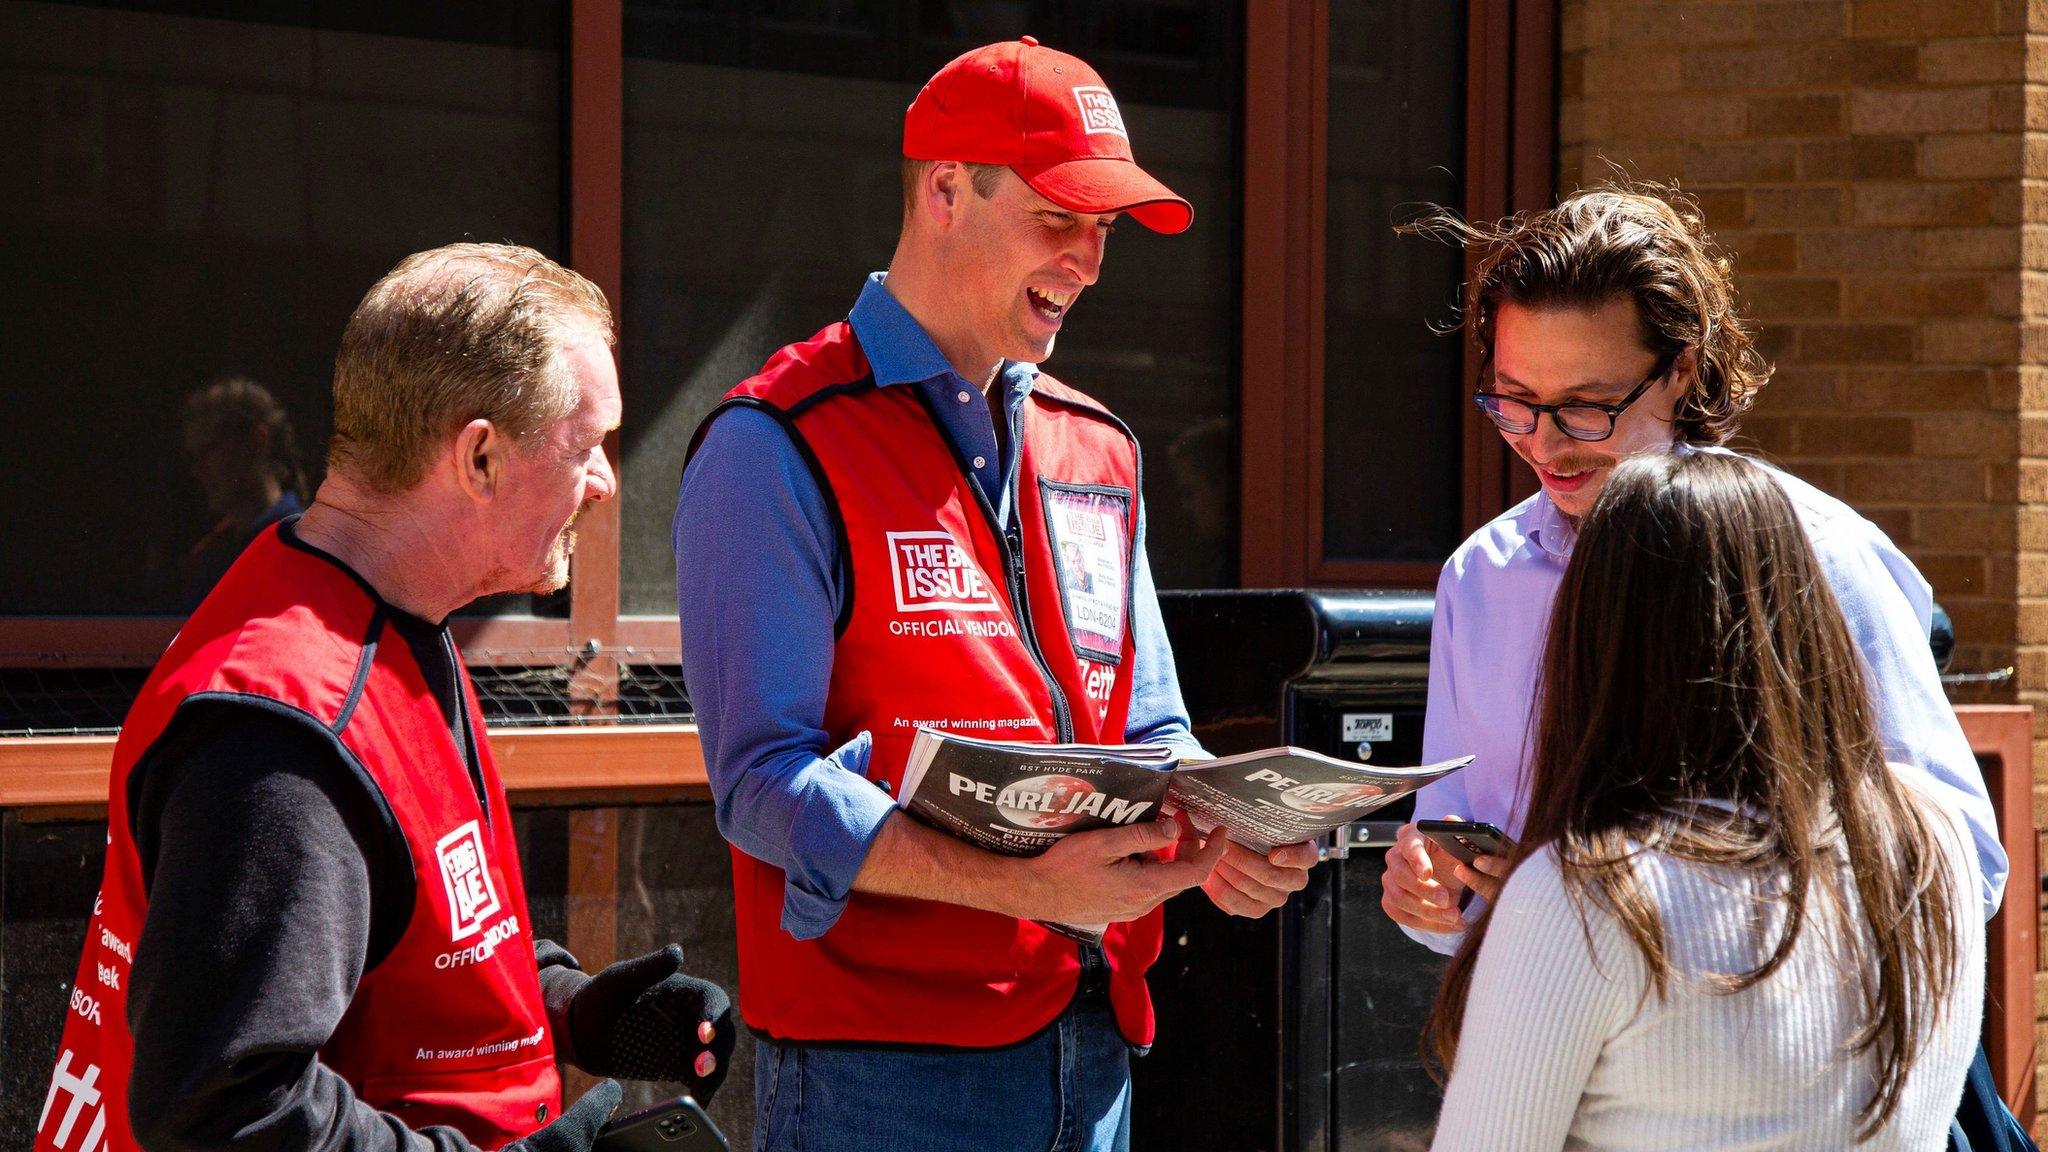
point(1020, 799)
point(1287, 795)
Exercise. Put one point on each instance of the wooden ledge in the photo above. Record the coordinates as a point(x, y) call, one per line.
point(584, 764)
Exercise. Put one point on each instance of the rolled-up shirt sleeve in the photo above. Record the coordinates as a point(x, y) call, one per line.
point(758, 593)
point(1888, 607)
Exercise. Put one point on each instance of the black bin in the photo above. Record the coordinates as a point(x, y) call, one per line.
point(1299, 1031)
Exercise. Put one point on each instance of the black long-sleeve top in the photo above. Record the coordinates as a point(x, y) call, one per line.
point(274, 883)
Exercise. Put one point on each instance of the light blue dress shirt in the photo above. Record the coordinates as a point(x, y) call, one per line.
point(1493, 605)
point(758, 591)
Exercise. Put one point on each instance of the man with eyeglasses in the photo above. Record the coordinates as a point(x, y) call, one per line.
point(1609, 328)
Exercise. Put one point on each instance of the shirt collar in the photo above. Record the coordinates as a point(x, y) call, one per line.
point(898, 349)
point(1550, 528)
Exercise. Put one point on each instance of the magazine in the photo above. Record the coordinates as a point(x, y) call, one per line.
point(1021, 798)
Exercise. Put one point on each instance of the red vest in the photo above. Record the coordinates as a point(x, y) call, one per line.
point(948, 625)
point(450, 1027)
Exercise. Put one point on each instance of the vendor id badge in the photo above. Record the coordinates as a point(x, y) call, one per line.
point(1091, 554)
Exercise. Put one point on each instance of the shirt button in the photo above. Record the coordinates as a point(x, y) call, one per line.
point(981, 461)
point(963, 396)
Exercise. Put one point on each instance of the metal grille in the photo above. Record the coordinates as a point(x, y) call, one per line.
point(54, 700)
point(648, 689)
point(45, 696)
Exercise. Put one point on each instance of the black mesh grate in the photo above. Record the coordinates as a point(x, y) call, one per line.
point(45, 696)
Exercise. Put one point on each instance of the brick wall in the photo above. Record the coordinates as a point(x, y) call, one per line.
point(1877, 168)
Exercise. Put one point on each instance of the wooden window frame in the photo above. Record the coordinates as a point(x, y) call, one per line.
point(1511, 130)
point(596, 130)
point(1510, 160)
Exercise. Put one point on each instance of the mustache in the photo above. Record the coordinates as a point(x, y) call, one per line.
point(566, 538)
point(1579, 462)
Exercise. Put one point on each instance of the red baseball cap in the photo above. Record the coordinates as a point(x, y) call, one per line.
point(1047, 117)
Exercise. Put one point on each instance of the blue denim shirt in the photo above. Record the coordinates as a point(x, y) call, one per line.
point(757, 589)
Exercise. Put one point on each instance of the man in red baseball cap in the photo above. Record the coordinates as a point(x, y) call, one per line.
point(1048, 118)
point(899, 522)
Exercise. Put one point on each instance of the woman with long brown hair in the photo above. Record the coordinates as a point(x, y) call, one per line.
point(1729, 923)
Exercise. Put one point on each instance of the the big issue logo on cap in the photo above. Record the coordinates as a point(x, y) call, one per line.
point(1098, 110)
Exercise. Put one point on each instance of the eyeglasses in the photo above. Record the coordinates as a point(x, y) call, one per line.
point(1578, 419)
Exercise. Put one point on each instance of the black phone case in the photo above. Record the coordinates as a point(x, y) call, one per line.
point(678, 1125)
point(1464, 840)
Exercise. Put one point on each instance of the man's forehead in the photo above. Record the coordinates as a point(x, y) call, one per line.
point(597, 381)
point(1596, 381)
point(603, 408)
point(1569, 348)
point(1593, 385)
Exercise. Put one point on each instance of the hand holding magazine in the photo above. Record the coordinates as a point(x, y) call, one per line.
point(1020, 798)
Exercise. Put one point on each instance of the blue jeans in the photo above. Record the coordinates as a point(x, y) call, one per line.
point(1066, 1089)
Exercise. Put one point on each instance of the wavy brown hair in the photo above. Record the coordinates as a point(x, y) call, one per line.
point(1646, 242)
point(1696, 653)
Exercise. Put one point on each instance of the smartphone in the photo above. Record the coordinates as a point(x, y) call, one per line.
point(677, 1125)
point(1466, 839)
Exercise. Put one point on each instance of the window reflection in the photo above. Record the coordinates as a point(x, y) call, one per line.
point(242, 451)
point(200, 191)
point(1392, 408)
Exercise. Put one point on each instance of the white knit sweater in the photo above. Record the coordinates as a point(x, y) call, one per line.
point(1566, 1047)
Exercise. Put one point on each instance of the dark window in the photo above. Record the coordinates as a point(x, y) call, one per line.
point(1392, 405)
point(763, 144)
point(199, 192)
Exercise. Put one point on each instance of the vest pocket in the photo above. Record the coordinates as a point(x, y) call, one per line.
point(491, 1105)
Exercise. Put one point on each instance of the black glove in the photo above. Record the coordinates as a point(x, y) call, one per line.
point(575, 1130)
point(642, 1019)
